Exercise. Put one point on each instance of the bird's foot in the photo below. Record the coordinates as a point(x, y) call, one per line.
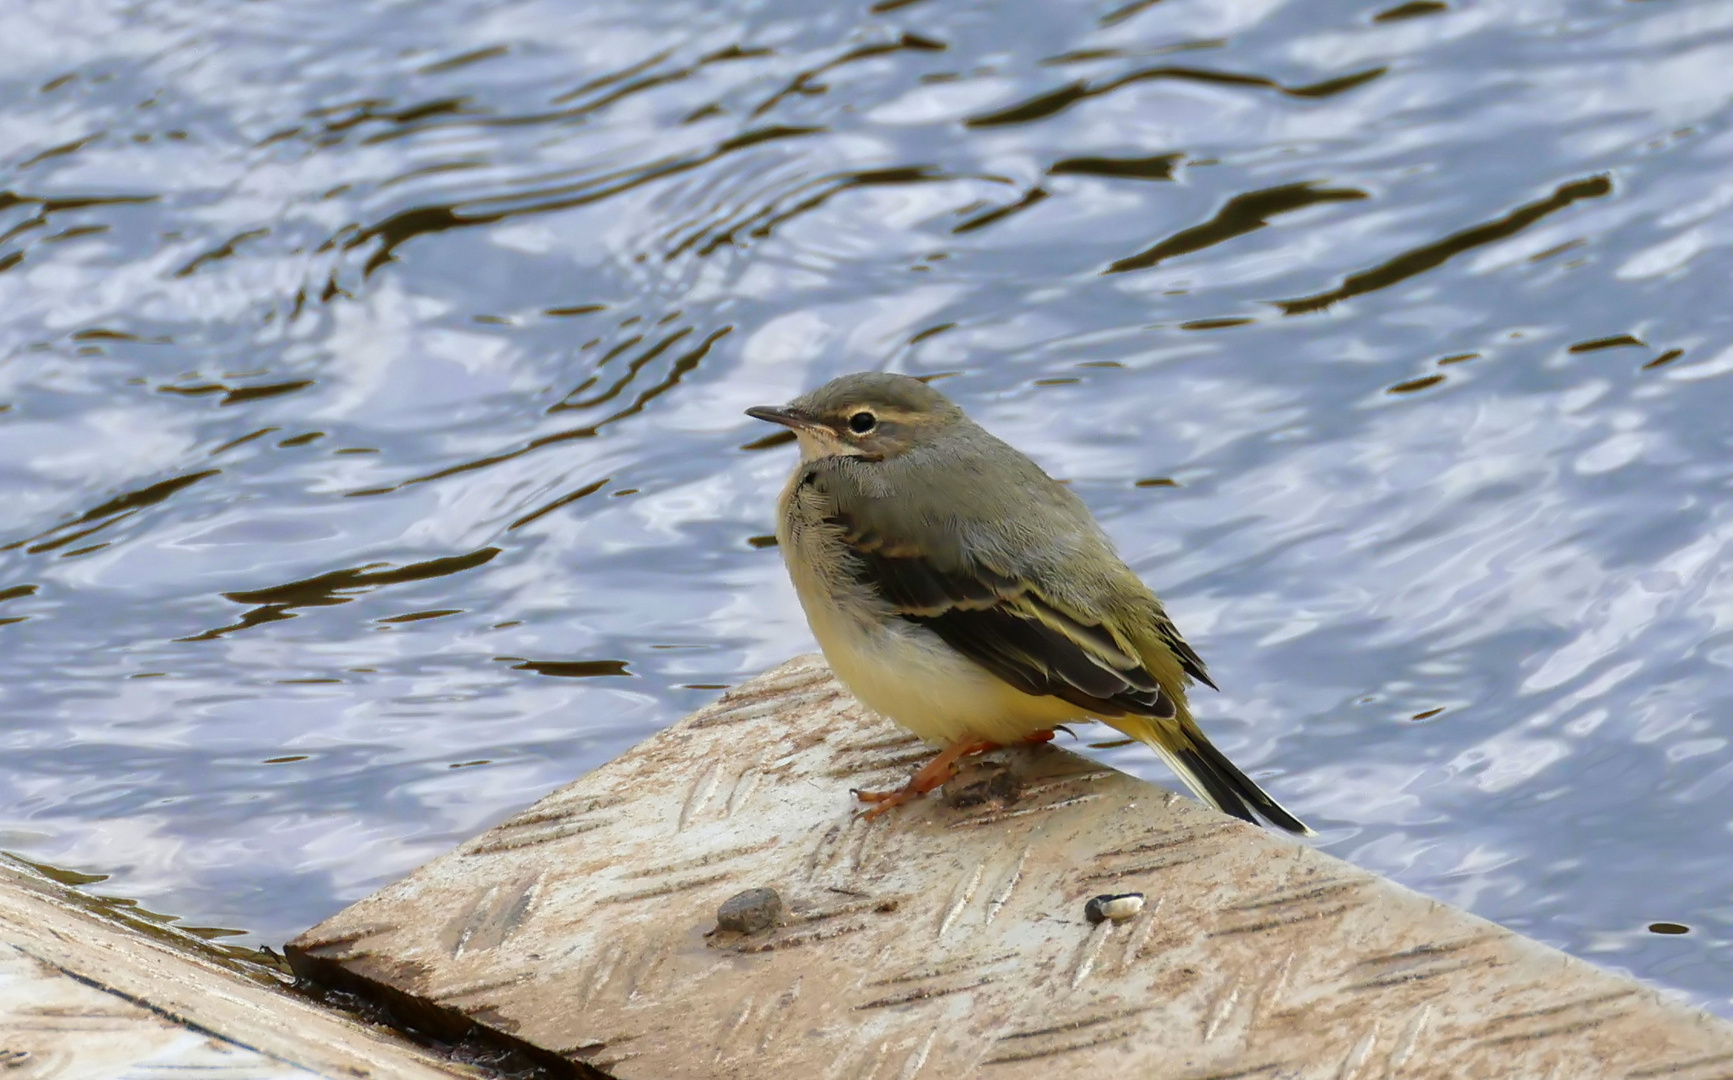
point(883, 801)
point(933, 774)
point(1044, 736)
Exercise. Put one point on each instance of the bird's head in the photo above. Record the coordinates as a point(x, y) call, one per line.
point(871, 415)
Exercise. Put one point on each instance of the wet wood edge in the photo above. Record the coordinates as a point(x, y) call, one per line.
point(176, 977)
point(425, 1019)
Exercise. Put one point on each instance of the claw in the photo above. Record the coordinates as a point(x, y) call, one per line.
point(874, 796)
point(933, 774)
point(885, 800)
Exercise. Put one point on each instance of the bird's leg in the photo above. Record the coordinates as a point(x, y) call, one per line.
point(932, 774)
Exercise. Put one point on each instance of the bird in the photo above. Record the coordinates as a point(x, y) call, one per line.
point(959, 591)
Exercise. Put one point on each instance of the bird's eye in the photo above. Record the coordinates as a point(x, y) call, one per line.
point(862, 422)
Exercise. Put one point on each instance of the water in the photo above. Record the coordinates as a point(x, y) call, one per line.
point(372, 455)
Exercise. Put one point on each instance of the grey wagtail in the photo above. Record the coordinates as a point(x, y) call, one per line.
point(966, 595)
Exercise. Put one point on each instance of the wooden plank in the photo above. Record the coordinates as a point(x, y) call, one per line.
point(950, 940)
point(86, 995)
point(52, 1025)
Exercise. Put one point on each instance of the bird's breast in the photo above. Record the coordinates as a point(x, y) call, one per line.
point(896, 667)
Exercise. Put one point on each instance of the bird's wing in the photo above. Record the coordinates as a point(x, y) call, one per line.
point(1007, 625)
point(1188, 658)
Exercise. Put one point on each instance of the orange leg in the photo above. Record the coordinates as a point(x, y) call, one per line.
point(935, 772)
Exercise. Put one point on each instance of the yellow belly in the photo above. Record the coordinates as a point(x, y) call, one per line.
point(906, 674)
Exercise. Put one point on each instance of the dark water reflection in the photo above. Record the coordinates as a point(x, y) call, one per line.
point(372, 455)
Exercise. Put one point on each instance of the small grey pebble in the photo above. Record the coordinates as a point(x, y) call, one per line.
point(1115, 906)
point(750, 911)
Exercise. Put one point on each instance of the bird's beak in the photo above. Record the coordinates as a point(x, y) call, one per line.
point(788, 418)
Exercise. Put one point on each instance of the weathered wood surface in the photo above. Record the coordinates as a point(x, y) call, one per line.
point(949, 941)
point(52, 1025)
point(84, 995)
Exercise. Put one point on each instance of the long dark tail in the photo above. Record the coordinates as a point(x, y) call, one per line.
point(1209, 772)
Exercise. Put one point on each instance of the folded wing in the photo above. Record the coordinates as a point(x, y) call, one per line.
point(1011, 629)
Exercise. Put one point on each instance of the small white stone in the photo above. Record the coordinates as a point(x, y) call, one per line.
point(1118, 908)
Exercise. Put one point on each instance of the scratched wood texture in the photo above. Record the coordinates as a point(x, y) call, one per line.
point(54, 1027)
point(85, 995)
point(950, 941)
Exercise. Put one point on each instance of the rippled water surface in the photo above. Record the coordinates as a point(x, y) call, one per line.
point(371, 375)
